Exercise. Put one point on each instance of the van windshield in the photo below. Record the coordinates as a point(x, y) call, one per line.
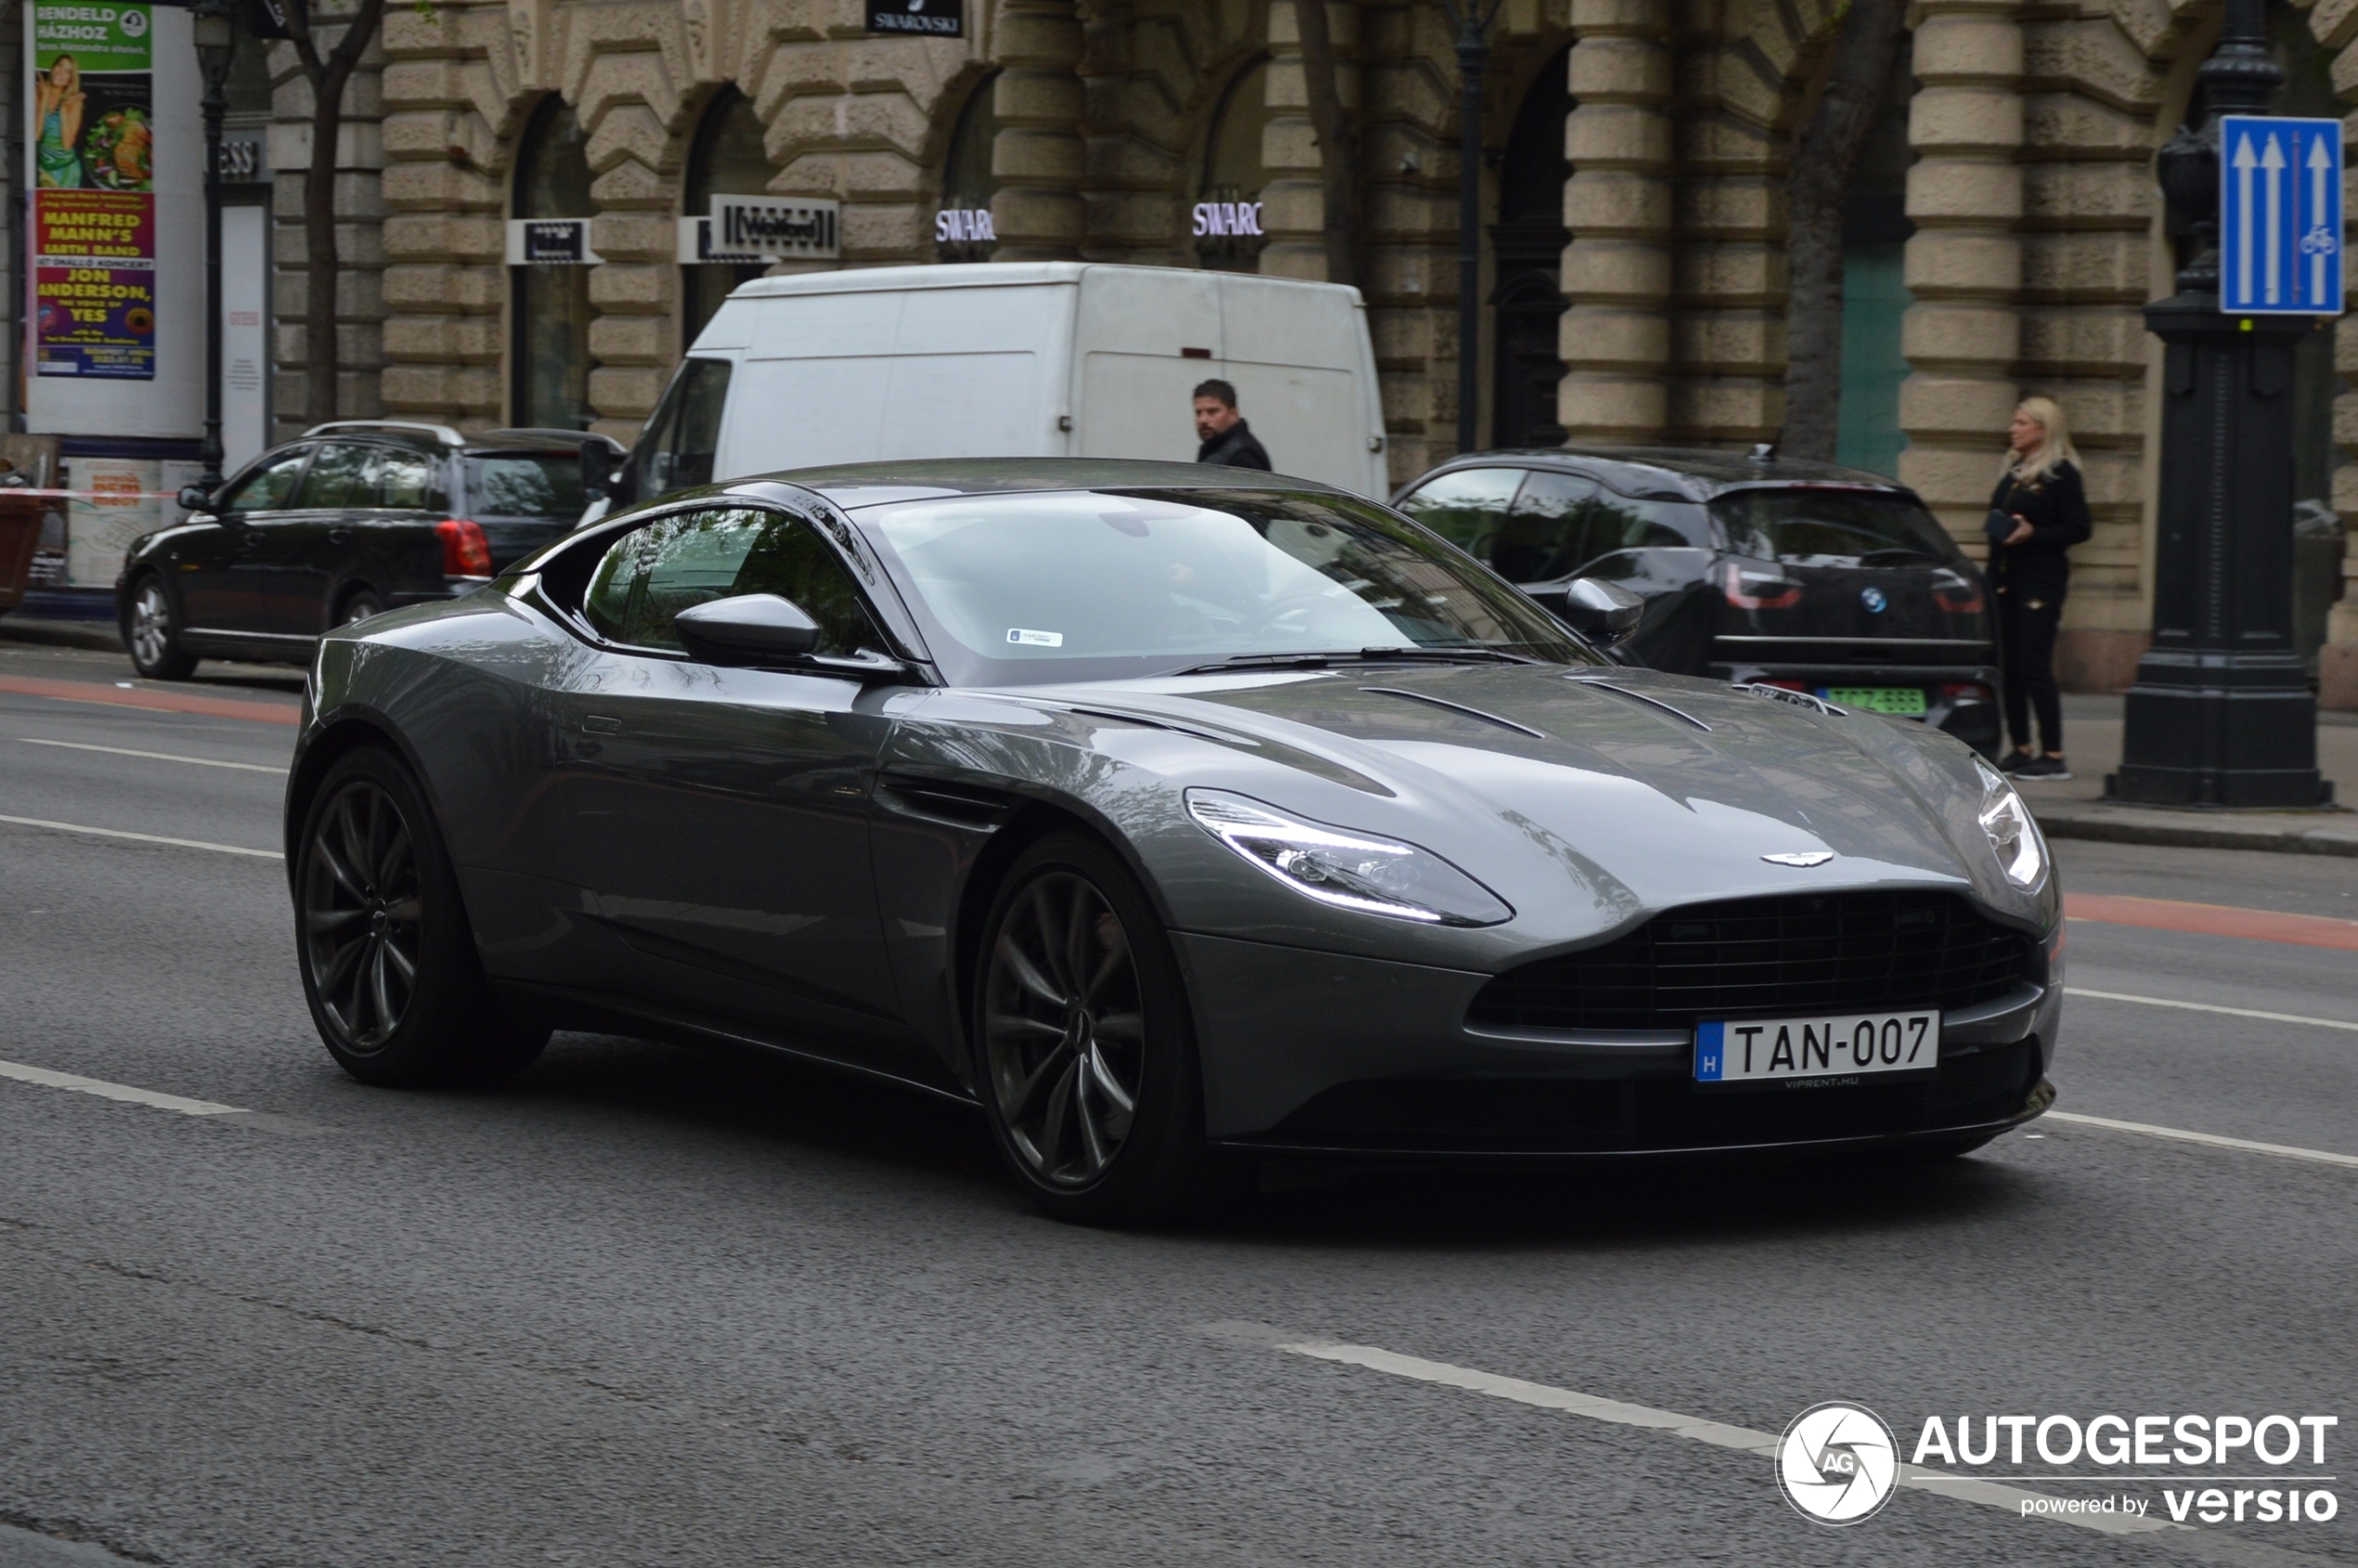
point(1019, 589)
point(1804, 525)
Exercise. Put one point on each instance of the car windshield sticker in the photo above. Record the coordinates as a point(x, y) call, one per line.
point(1036, 639)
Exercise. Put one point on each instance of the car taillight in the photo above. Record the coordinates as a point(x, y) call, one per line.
point(1748, 589)
point(465, 553)
point(1784, 685)
point(1964, 601)
point(1956, 693)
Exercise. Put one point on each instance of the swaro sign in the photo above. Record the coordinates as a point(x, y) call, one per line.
point(777, 227)
point(2287, 1451)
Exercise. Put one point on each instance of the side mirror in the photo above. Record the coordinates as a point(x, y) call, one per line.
point(749, 629)
point(1602, 612)
point(193, 499)
point(600, 463)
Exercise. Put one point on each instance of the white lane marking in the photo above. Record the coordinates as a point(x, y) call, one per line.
point(1620, 1413)
point(2212, 1140)
point(106, 1090)
point(2208, 1007)
point(144, 837)
point(155, 755)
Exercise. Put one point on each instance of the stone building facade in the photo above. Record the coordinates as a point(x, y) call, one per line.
point(2020, 233)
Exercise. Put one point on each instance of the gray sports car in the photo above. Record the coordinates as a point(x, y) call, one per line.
point(1176, 816)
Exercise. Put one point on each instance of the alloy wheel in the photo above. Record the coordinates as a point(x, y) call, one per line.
point(151, 625)
point(1064, 1029)
point(361, 915)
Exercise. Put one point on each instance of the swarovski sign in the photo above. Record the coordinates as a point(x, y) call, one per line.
point(551, 243)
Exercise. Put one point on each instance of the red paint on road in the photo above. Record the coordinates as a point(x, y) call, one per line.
point(2214, 920)
point(151, 699)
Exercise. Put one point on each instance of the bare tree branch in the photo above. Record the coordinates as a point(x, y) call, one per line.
point(323, 358)
point(1338, 142)
point(1866, 52)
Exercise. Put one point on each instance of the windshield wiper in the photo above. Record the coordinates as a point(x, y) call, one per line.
point(1470, 653)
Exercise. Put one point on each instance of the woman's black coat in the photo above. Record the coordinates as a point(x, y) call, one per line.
point(2055, 506)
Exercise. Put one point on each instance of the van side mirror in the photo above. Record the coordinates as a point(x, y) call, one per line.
point(600, 464)
point(749, 629)
point(192, 498)
point(1602, 612)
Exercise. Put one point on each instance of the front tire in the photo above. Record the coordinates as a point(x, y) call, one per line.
point(388, 960)
point(1084, 1047)
point(151, 631)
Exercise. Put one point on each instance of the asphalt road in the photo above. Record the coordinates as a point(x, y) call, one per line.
point(651, 1306)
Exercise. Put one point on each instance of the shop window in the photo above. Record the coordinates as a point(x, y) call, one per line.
point(962, 229)
point(1874, 289)
point(549, 304)
point(1528, 243)
point(727, 159)
point(1225, 220)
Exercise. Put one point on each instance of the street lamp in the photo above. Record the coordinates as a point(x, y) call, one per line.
point(2222, 714)
point(1472, 21)
point(216, 35)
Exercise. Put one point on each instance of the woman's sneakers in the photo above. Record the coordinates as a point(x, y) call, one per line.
point(2051, 769)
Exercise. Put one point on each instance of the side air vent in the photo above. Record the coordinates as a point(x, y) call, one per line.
point(965, 805)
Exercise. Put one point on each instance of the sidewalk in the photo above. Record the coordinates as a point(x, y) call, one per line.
point(2076, 808)
point(98, 635)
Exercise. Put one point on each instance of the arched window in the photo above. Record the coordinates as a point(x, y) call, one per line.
point(962, 231)
point(727, 159)
point(1528, 242)
point(1225, 220)
point(549, 302)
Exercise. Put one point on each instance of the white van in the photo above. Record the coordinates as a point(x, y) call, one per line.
point(1020, 359)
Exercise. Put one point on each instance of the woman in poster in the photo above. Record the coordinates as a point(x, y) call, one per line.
point(58, 106)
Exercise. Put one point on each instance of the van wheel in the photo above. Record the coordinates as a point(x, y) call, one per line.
point(151, 631)
point(1084, 1050)
point(388, 960)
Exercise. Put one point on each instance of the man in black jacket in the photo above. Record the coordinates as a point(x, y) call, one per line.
point(1225, 436)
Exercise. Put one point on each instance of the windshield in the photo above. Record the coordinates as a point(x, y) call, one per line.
point(527, 485)
point(1814, 527)
point(1019, 589)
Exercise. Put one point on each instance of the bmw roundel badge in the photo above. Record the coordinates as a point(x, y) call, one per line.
point(1873, 599)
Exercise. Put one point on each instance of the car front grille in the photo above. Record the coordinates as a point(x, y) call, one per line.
point(1591, 1115)
point(1798, 954)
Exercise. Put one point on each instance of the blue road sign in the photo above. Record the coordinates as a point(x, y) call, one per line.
point(2279, 215)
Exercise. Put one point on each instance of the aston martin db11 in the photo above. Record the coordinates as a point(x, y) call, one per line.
point(1177, 817)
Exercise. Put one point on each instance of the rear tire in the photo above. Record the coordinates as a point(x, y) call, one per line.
point(388, 960)
point(151, 631)
point(359, 607)
point(1085, 1046)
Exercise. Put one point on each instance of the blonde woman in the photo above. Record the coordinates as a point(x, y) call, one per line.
point(58, 106)
point(2039, 490)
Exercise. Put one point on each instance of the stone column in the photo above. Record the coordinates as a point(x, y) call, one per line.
point(1963, 335)
point(2338, 660)
point(1293, 204)
point(1038, 155)
point(634, 339)
point(1616, 271)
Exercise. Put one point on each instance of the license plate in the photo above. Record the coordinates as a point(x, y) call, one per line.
point(1811, 1052)
point(1907, 701)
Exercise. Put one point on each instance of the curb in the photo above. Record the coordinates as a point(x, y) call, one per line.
point(2198, 835)
point(96, 635)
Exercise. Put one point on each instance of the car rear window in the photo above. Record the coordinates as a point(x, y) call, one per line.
point(1810, 526)
point(527, 485)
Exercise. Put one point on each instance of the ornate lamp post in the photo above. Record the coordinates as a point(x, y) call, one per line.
point(2222, 713)
point(216, 37)
point(1472, 19)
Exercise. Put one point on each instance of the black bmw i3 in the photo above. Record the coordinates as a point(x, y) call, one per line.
point(1817, 578)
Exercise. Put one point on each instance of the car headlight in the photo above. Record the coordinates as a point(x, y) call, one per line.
point(2022, 853)
point(1348, 870)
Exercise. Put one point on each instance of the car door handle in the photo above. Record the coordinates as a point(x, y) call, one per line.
point(595, 725)
point(338, 536)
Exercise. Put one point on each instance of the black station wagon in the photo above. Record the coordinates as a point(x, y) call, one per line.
point(353, 519)
point(1806, 575)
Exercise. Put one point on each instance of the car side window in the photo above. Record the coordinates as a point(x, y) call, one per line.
point(683, 438)
point(405, 481)
point(1546, 530)
point(1622, 523)
point(651, 573)
point(338, 477)
point(271, 487)
point(1466, 506)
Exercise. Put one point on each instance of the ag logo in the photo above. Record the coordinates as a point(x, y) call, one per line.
point(133, 20)
point(1837, 1463)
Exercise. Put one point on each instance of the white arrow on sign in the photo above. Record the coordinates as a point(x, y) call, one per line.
point(2272, 163)
point(2245, 164)
point(2320, 162)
